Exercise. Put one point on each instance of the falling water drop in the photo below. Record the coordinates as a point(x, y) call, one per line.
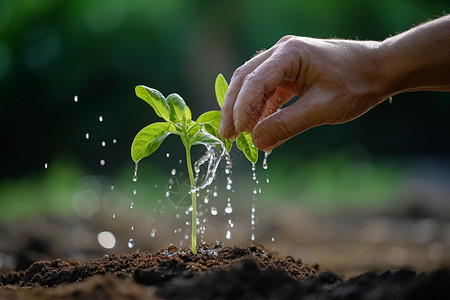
point(131, 243)
point(228, 235)
point(113, 188)
point(173, 172)
point(253, 236)
point(153, 233)
point(267, 179)
point(134, 192)
point(167, 154)
point(131, 204)
point(228, 209)
point(213, 210)
point(273, 239)
point(215, 194)
point(132, 228)
point(206, 200)
point(100, 118)
point(114, 216)
point(87, 135)
point(46, 165)
point(103, 143)
point(265, 161)
point(75, 98)
point(135, 178)
point(114, 141)
point(102, 162)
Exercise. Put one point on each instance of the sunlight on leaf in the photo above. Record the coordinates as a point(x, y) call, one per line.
point(245, 143)
point(177, 107)
point(155, 99)
point(221, 88)
point(149, 139)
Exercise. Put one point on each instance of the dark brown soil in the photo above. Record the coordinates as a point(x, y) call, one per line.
point(216, 272)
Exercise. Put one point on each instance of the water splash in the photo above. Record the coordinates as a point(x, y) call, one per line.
point(213, 156)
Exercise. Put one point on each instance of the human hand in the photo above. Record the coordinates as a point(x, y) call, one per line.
point(335, 81)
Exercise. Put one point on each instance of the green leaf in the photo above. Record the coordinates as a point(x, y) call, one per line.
point(177, 107)
point(245, 143)
point(211, 122)
point(202, 137)
point(155, 99)
point(210, 118)
point(221, 88)
point(149, 139)
point(187, 113)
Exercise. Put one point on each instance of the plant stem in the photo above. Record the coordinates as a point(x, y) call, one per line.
point(194, 201)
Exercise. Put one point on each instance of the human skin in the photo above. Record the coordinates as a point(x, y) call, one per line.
point(335, 81)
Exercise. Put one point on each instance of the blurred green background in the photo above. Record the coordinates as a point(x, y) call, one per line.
point(99, 50)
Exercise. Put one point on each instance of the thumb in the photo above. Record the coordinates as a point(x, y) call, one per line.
point(277, 128)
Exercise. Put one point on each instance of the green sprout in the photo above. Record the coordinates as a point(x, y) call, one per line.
point(178, 120)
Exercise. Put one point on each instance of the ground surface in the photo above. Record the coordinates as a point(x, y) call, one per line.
point(216, 272)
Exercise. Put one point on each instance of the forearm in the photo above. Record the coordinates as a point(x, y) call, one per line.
point(418, 59)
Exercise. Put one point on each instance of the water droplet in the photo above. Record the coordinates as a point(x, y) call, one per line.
point(102, 162)
point(206, 200)
point(180, 161)
point(253, 236)
point(213, 211)
point(255, 191)
point(228, 209)
point(153, 233)
point(131, 243)
point(135, 178)
point(267, 180)
point(114, 141)
point(100, 118)
point(390, 100)
point(112, 188)
point(167, 154)
point(173, 172)
point(75, 98)
point(103, 143)
point(87, 135)
point(46, 165)
point(167, 194)
point(228, 235)
point(132, 228)
point(131, 204)
point(106, 239)
point(134, 192)
point(273, 239)
point(228, 187)
point(114, 216)
point(265, 161)
point(215, 194)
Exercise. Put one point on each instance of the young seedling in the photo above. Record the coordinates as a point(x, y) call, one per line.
point(203, 131)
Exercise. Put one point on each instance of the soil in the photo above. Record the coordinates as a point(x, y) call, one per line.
point(215, 272)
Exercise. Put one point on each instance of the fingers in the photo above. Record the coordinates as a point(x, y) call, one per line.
point(227, 129)
point(264, 79)
point(278, 127)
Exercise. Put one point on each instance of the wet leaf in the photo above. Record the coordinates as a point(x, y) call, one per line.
point(177, 107)
point(211, 122)
point(155, 99)
point(245, 143)
point(149, 139)
point(221, 88)
point(202, 137)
